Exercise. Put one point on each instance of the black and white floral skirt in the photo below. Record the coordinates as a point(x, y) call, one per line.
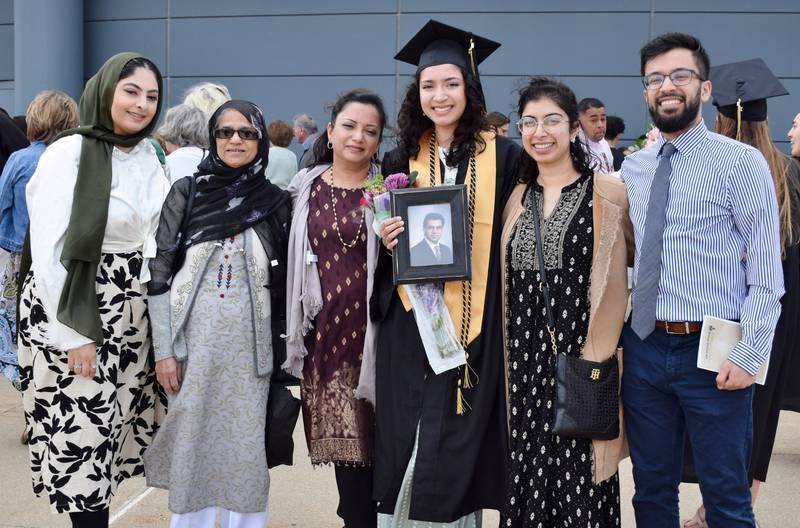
point(88, 435)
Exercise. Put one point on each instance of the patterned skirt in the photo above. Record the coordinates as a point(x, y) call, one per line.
point(88, 435)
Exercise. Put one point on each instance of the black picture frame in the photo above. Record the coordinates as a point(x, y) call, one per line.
point(413, 259)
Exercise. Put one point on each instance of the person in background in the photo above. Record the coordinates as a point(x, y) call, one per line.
point(282, 161)
point(185, 135)
point(699, 202)
point(498, 123)
point(11, 138)
point(442, 440)
point(794, 137)
point(207, 97)
point(89, 386)
point(331, 341)
point(305, 132)
point(49, 114)
point(791, 395)
point(214, 289)
point(592, 134)
point(615, 127)
point(752, 83)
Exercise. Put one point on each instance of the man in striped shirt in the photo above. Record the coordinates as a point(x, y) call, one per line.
point(705, 223)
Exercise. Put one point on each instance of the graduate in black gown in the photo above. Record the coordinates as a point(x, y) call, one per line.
point(791, 393)
point(442, 439)
point(751, 83)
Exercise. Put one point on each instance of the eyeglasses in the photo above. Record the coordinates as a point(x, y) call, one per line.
point(529, 125)
point(245, 133)
point(679, 77)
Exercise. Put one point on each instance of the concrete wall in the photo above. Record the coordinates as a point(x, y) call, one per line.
point(7, 55)
point(293, 57)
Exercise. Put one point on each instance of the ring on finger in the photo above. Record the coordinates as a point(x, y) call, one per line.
point(77, 367)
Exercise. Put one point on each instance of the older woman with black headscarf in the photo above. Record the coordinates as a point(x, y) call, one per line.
point(87, 379)
point(218, 280)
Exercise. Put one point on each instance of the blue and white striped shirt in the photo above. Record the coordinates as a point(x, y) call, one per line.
point(721, 254)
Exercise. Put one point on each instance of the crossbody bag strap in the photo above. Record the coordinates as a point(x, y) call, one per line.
point(544, 285)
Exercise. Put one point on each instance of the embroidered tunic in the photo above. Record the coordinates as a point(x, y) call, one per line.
point(339, 427)
point(210, 450)
point(550, 476)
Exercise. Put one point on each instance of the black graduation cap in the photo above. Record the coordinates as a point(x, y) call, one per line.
point(438, 43)
point(747, 84)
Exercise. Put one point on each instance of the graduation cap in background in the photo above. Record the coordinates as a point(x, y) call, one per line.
point(741, 90)
point(438, 43)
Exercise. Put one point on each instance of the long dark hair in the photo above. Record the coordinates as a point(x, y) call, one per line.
point(322, 154)
point(412, 123)
point(548, 88)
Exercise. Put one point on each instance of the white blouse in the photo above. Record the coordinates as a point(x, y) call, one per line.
point(138, 189)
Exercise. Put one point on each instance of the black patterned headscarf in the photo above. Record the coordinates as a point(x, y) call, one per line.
point(229, 200)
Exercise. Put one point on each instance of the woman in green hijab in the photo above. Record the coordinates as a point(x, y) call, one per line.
point(91, 404)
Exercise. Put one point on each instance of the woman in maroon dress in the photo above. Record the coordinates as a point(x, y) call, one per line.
point(332, 256)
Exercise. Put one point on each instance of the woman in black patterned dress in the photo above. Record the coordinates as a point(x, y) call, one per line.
point(555, 480)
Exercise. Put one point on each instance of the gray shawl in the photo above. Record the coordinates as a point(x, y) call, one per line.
point(303, 290)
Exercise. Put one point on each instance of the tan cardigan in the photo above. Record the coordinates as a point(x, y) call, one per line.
point(608, 292)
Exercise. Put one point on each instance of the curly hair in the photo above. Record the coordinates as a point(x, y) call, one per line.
point(412, 123)
point(539, 88)
point(185, 126)
point(280, 133)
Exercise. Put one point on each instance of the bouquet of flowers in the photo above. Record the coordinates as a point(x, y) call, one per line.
point(376, 194)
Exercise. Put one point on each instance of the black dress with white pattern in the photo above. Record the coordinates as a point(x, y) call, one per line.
point(549, 481)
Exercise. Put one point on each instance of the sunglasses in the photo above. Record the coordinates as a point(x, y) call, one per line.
point(245, 133)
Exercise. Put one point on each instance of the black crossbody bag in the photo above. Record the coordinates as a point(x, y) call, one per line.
point(587, 392)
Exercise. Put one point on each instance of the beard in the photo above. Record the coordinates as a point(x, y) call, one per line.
point(679, 121)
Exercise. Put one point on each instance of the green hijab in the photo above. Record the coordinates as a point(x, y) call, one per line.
point(77, 307)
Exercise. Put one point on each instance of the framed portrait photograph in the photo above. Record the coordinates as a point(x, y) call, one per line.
point(433, 247)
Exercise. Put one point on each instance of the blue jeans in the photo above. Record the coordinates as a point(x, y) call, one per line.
point(664, 394)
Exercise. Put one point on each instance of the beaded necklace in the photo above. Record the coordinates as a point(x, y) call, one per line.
point(336, 218)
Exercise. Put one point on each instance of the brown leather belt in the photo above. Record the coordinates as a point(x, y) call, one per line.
point(679, 327)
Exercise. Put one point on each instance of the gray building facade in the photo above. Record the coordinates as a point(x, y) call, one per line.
point(295, 57)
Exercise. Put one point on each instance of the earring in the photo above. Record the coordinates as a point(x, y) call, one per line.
point(330, 145)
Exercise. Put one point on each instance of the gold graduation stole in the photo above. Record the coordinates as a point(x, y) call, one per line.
point(469, 296)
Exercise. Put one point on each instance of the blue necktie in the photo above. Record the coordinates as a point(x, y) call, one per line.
point(645, 293)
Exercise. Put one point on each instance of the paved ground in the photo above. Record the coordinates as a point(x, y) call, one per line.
point(305, 497)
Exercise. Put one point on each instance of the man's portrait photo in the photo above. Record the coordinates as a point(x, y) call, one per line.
point(431, 236)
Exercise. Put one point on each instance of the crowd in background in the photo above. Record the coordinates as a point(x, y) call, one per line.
point(166, 273)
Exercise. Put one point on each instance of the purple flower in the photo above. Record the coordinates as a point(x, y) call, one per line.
point(397, 180)
point(431, 294)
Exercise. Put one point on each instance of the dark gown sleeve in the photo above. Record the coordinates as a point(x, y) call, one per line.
point(167, 234)
point(508, 159)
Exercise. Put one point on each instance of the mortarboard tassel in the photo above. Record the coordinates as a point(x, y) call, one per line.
point(472, 56)
point(739, 119)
